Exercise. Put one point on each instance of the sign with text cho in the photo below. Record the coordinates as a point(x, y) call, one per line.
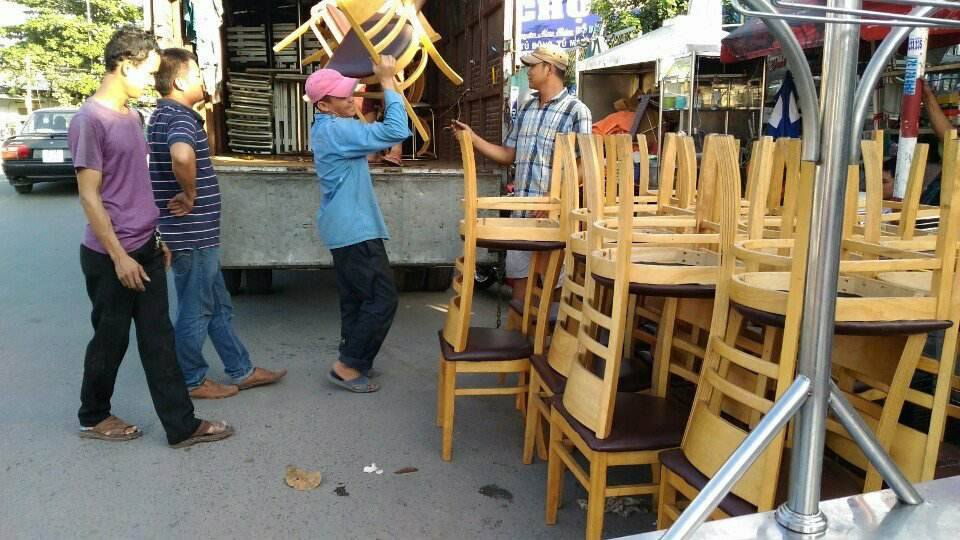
point(561, 22)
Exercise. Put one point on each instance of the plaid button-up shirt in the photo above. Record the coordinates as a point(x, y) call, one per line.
point(533, 134)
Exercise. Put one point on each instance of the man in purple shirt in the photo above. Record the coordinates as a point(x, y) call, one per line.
point(122, 258)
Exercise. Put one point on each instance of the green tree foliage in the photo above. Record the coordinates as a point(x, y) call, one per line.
point(63, 47)
point(643, 15)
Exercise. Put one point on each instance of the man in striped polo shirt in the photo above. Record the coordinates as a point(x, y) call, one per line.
point(529, 144)
point(187, 193)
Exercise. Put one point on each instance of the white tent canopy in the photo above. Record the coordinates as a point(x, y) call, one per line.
point(679, 36)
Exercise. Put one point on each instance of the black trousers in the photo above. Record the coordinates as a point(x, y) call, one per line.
point(114, 306)
point(368, 301)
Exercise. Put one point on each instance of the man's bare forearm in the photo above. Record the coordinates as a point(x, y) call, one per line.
point(501, 154)
point(184, 164)
point(97, 216)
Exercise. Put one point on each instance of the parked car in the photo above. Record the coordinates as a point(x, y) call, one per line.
point(40, 153)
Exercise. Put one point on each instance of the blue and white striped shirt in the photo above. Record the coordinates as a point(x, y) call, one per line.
point(534, 133)
point(171, 123)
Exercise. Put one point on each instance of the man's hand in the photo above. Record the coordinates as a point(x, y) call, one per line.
point(180, 205)
point(385, 71)
point(457, 125)
point(167, 255)
point(130, 273)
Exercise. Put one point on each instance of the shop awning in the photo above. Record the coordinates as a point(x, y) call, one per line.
point(679, 36)
point(752, 40)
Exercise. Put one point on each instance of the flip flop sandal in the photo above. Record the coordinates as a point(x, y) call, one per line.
point(202, 435)
point(360, 385)
point(111, 429)
point(391, 161)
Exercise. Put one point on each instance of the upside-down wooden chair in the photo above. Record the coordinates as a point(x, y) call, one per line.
point(375, 27)
point(887, 374)
point(468, 349)
point(545, 266)
point(607, 427)
point(679, 262)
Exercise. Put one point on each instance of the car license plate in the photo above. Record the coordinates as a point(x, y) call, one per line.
point(52, 156)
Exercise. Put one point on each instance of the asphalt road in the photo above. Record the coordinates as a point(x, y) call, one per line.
point(55, 485)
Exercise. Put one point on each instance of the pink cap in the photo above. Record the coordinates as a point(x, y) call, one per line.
point(328, 82)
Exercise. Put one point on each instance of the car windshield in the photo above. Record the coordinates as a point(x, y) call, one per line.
point(48, 122)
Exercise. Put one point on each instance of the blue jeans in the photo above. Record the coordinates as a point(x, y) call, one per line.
point(204, 308)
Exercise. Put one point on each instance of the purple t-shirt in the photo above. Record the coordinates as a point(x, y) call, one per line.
point(114, 144)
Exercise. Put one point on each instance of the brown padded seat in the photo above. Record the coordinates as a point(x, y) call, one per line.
point(517, 306)
point(489, 345)
point(640, 422)
point(691, 290)
point(836, 481)
point(850, 328)
point(948, 461)
point(520, 245)
point(351, 58)
point(550, 377)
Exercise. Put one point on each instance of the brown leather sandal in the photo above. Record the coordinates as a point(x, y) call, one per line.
point(111, 429)
point(207, 432)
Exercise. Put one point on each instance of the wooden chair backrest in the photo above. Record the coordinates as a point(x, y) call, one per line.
point(711, 434)
point(563, 343)
point(457, 325)
point(590, 397)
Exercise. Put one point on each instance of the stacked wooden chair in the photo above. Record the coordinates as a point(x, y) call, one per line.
point(880, 330)
point(353, 34)
point(469, 349)
point(608, 427)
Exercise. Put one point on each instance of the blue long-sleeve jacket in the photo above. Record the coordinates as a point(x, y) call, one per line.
point(349, 212)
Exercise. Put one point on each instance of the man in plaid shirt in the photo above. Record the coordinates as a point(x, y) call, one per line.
point(529, 144)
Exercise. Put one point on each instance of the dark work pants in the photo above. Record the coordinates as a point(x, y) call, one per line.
point(368, 301)
point(113, 308)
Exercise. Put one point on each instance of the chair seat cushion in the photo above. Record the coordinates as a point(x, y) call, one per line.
point(836, 481)
point(489, 345)
point(550, 377)
point(516, 305)
point(640, 422)
point(850, 328)
point(351, 58)
point(520, 245)
point(687, 290)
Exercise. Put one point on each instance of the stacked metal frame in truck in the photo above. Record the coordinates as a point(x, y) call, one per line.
point(250, 114)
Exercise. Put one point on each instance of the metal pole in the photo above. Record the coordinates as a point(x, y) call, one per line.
point(802, 513)
point(803, 78)
point(853, 423)
point(878, 62)
point(740, 461)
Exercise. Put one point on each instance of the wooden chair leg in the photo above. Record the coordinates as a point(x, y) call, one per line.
point(655, 477)
point(532, 424)
point(555, 471)
point(521, 401)
point(596, 496)
point(449, 397)
point(440, 391)
point(667, 496)
point(664, 346)
point(543, 435)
